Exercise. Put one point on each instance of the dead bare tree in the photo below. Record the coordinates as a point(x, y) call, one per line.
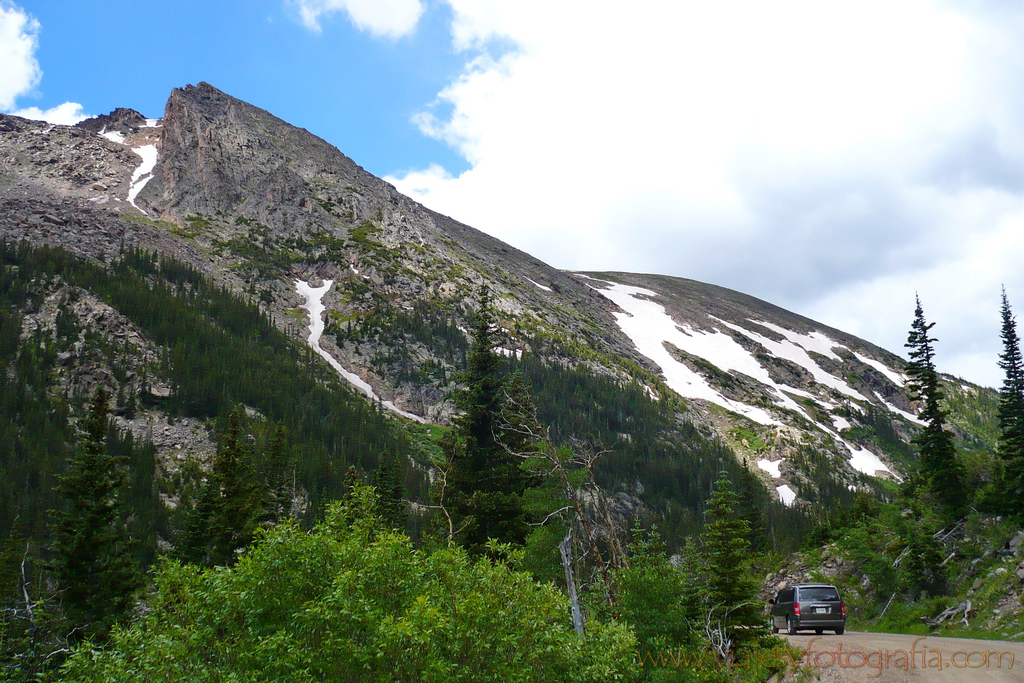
point(591, 522)
point(440, 476)
point(950, 613)
point(29, 609)
point(565, 550)
point(717, 632)
point(43, 643)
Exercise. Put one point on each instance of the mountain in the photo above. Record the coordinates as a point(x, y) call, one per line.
point(677, 378)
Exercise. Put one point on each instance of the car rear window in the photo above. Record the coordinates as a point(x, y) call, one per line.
point(826, 594)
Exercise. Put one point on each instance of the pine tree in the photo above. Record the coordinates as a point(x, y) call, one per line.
point(277, 502)
point(387, 481)
point(485, 483)
point(1010, 485)
point(92, 559)
point(921, 571)
point(940, 469)
point(731, 590)
point(224, 518)
point(751, 510)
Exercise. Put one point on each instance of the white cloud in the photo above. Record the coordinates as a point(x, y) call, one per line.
point(830, 157)
point(19, 70)
point(386, 18)
point(67, 114)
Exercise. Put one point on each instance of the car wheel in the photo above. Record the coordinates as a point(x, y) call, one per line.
point(840, 631)
point(771, 620)
point(790, 626)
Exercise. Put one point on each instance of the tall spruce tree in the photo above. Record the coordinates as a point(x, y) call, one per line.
point(484, 483)
point(1010, 484)
point(92, 558)
point(387, 481)
point(731, 591)
point(751, 510)
point(940, 469)
point(922, 573)
point(225, 515)
point(277, 501)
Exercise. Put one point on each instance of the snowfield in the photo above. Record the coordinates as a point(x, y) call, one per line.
point(772, 468)
point(650, 327)
point(863, 460)
point(143, 174)
point(786, 495)
point(537, 284)
point(896, 378)
point(315, 307)
point(113, 136)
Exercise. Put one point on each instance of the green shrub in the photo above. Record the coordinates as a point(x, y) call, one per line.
point(345, 602)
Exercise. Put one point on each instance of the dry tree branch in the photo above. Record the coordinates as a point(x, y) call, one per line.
point(24, 587)
point(544, 521)
point(519, 419)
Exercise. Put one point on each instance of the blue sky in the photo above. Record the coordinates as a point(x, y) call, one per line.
point(835, 158)
point(357, 91)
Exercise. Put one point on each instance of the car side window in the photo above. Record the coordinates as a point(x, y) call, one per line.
point(786, 595)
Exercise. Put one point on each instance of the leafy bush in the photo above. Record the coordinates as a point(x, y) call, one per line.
point(346, 602)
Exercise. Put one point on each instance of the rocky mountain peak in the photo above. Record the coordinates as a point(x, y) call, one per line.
point(220, 154)
point(121, 120)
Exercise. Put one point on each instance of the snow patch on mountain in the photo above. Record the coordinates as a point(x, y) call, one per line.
point(815, 341)
point(840, 422)
point(863, 460)
point(913, 418)
point(143, 174)
point(895, 377)
point(652, 329)
point(772, 468)
point(794, 348)
point(786, 495)
point(113, 136)
point(315, 307)
point(649, 326)
point(537, 284)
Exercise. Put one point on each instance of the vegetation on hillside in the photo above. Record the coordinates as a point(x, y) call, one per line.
point(535, 488)
point(217, 352)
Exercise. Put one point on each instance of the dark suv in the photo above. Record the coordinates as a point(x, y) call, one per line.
point(808, 607)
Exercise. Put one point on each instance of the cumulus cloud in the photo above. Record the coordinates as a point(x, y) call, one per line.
point(67, 114)
point(386, 18)
point(829, 157)
point(19, 70)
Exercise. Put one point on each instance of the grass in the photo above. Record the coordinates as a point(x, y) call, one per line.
point(138, 218)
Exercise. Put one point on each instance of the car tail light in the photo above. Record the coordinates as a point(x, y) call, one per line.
point(796, 609)
point(842, 606)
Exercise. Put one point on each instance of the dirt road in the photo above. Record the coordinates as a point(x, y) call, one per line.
point(863, 657)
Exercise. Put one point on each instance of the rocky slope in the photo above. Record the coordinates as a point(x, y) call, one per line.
point(259, 205)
